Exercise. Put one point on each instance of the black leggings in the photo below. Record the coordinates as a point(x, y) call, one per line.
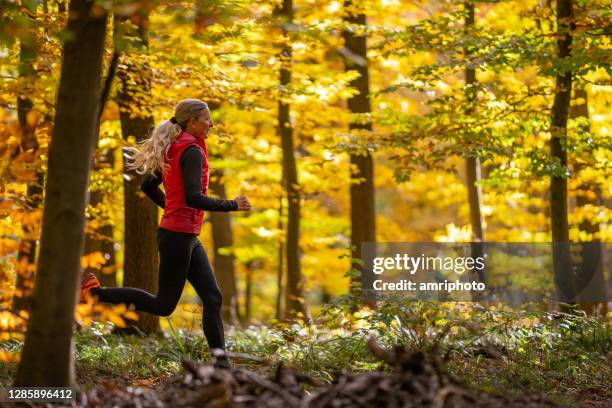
point(181, 257)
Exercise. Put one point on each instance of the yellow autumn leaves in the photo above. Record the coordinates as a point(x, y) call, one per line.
point(86, 313)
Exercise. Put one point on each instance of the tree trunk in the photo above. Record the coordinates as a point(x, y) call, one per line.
point(102, 240)
point(590, 281)
point(280, 275)
point(248, 292)
point(294, 296)
point(27, 248)
point(221, 223)
point(47, 358)
point(558, 142)
point(472, 162)
point(475, 197)
point(140, 267)
point(363, 223)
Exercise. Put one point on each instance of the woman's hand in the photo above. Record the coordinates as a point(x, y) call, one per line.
point(243, 203)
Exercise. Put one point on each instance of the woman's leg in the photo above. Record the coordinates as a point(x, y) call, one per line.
point(202, 279)
point(174, 258)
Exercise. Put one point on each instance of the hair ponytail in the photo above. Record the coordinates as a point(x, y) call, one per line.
point(151, 156)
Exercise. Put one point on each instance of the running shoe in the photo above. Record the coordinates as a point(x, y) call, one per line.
point(219, 358)
point(88, 282)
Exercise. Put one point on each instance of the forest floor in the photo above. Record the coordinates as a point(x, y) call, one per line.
point(425, 357)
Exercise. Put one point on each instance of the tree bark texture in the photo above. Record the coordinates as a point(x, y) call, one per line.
point(558, 148)
point(26, 255)
point(102, 239)
point(472, 162)
point(363, 223)
point(280, 274)
point(47, 356)
point(141, 258)
point(590, 271)
point(140, 266)
point(225, 272)
point(294, 295)
point(248, 292)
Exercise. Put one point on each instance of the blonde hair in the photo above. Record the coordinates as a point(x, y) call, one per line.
point(151, 156)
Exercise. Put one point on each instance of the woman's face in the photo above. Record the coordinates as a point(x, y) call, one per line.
point(200, 126)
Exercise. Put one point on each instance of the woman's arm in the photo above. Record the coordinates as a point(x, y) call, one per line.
point(191, 165)
point(150, 186)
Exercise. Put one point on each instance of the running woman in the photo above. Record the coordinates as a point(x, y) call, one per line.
point(176, 156)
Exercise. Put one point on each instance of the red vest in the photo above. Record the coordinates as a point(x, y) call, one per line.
point(177, 215)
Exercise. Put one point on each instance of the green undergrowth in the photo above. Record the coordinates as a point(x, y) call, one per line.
point(9, 369)
point(123, 358)
point(564, 356)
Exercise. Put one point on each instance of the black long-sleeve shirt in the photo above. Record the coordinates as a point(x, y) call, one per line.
point(191, 166)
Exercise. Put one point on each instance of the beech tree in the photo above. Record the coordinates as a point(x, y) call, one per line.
point(472, 161)
point(363, 223)
point(46, 358)
point(141, 258)
point(100, 241)
point(223, 263)
point(590, 276)
point(294, 294)
point(558, 150)
point(26, 256)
